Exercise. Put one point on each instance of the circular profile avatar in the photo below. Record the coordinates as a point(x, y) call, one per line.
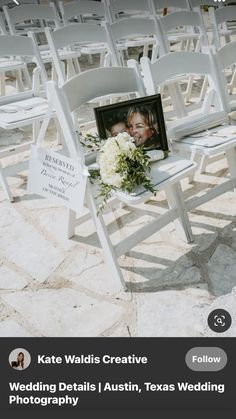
point(19, 359)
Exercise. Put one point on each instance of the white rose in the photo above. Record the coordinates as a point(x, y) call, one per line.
point(108, 157)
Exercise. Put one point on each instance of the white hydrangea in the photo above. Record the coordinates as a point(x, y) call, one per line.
point(122, 144)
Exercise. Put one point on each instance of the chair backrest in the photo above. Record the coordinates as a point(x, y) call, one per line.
point(85, 87)
point(25, 12)
point(79, 9)
point(77, 33)
point(219, 16)
point(225, 14)
point(198, 3)
point(159, 5)
point(100, 82)
point(23, 46)
point(128, 28)
point(120, 8)
point(176, 64)
point(167, 69)
point(188, 19)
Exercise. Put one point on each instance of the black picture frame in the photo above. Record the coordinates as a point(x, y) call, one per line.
point(117, 115)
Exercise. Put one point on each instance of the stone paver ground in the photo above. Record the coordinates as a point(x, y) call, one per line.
point(51, 286)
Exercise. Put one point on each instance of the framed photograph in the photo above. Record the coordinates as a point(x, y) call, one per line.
point(142, 118)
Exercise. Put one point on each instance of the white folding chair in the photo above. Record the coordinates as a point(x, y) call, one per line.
point(84, 11)
point(38, 15)
point(45, 14)
point(184, 19)
point(77, 35)
point(115, 80)
point(185, 131)
point(221, 17)
point(134, 32)
point(129, 9)
point(24, 108)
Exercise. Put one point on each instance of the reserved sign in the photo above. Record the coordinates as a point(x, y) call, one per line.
point(57, 177)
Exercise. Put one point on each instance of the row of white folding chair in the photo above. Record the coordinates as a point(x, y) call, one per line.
point(151, 7)
point(23, 108)
point(158, 28)
point(66, 100)
point(111, 36)
point(43, 13)
point(143, 8)
point(174, 64)
point(128, 28)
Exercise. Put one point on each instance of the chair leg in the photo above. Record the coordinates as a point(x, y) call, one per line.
point(231, 159)
point(71, 223)
point(182, 224)
point(197, 159)
point(109, 253)
point(5, 185)
point(60, 136)
point(70, 69)
point(27, 77)
point(76, 65)
point(232, 83)
point(204, 89)
point(20, 86)
point(203, 164)
point(36, 129)
point(3, 84)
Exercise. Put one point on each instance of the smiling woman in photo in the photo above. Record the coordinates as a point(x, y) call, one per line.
point(142, 125)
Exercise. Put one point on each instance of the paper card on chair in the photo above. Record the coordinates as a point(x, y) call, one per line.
point(57, 177)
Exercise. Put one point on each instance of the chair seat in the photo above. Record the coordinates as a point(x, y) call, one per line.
point(227, 32)
point(63, 54)
point(192, 124)
point(167, 171)
point(221, 139)
point(9, 65)
point(22, 112)
point(135, 42)
point(94, 48)
point(185, 36)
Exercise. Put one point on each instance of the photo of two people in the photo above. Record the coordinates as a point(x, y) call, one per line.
point(141, 118)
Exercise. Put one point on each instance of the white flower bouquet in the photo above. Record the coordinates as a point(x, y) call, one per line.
point(122, 166)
